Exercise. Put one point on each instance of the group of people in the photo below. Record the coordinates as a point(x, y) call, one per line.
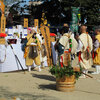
point(79, 49)
point(82, 48)
point(31, 51)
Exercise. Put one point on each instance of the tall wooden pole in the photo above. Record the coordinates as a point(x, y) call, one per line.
point(3, 23)
point(3, 19)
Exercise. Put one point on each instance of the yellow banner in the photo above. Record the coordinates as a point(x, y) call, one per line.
point(36, 22)
point(3, 24)
point(2, 6)
point(25, 22)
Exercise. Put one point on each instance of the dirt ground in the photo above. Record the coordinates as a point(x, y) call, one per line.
point(42, 86)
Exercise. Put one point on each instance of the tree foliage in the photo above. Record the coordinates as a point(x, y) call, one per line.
point(59, 11)
point(90, 10)
point(7, 2)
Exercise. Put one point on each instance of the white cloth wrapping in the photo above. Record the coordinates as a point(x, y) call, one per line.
point(10, 62)
point(24, 34)
point(2, 53)
point(15, 30)
point(80, 46)
point(64, 40)
point(6, 30)
point(96, 45)
point(42, 59)
point(10, 32)
point(54, 53)
point(39, 37)
point(19, 27)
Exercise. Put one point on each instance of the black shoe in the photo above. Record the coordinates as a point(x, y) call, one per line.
point(93, 66)
point(90, 72)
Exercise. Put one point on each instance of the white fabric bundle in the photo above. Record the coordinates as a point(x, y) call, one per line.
point(2, 53)
point(39, 37)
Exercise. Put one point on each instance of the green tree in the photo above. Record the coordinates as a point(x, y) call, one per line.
point(90, 10)
point(55, 9)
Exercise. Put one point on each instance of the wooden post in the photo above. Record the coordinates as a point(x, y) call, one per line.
point(46, 34)
point(3, 23)
point(25, 22)
point(36, 23)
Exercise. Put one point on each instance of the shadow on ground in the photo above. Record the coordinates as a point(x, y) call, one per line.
point(87, 92)
point(46, 86)
point(45, 77)
point(5, 93)
point(49, 87)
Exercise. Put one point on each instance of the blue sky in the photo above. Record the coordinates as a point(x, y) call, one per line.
point(27, 0)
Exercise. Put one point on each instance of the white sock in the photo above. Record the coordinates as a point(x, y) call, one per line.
point(29, 68)
point(39, 68)
point(85, 71)
point(98, 69)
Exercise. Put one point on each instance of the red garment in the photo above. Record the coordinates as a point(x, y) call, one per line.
point(93, 55)
point(52, 34)
point(61, 61)
point(3, 35)
point(69, 49)
point(79, 56)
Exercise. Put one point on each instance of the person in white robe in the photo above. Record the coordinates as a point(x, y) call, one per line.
point(65, 46)
point(85, 47)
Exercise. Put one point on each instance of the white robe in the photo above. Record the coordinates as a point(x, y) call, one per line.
point(84, 41)
point(65, 42)
point(9, 64)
